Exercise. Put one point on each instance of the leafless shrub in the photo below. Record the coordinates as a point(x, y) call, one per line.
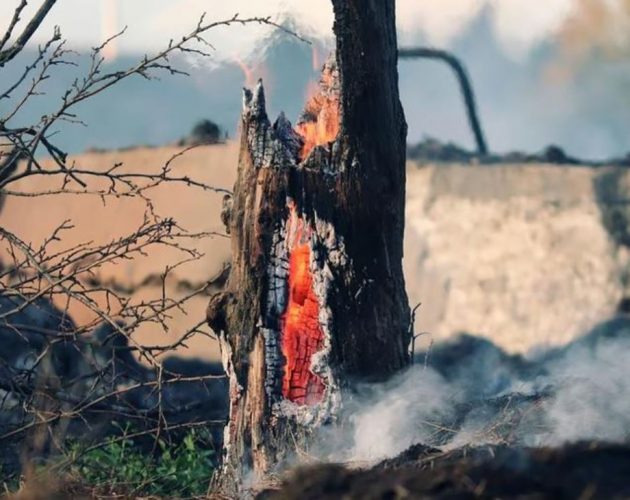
point(58, 378)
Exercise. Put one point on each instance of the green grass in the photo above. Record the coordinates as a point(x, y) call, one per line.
point(118, 466)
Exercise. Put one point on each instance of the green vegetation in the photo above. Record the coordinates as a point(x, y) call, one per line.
point(120, 466)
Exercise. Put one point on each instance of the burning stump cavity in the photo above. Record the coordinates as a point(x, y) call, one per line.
point(316, 293)
point(301, 334)
point(297, 319)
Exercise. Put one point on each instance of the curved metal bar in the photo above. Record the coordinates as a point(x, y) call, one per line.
point(464, 82)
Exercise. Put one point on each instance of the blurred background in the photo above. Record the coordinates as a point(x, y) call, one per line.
point(526, 249)
point(557, 74)
point(525, 255)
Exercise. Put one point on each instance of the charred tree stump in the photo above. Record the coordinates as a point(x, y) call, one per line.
point(316, 296)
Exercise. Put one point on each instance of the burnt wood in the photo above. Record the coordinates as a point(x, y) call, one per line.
point(346, 199)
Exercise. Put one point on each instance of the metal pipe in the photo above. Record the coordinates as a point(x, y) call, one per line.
point(464, 82)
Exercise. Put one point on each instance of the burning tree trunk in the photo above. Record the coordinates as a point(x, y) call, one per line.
point(316, 295)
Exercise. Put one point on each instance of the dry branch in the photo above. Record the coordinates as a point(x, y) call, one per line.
point(464, 83)
point(57, 378)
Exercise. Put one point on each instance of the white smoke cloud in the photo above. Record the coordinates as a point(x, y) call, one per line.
point(439, 21)
point(583, 393)
point(520, 24)
point(401, 414)
point(593, 401)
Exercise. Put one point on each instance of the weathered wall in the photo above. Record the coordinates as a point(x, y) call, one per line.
point(521, 254)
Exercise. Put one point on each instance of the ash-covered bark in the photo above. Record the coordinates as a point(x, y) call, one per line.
point(345, 202)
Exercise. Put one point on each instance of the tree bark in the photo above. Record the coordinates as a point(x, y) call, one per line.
point(316, 297)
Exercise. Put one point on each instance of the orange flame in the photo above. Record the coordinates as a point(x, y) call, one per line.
point(316, 58)
point(248, 72)
point(321, 118)
point(302, 335)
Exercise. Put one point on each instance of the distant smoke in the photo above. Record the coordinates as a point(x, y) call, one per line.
point(520, 24)
point(475, 394)
point(553, 73)
point(597, 25)
point(109, 28)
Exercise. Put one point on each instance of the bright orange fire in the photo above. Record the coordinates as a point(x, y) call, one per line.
point(320, 121)
point(315, 57)
point(302, 335)
point(248, 72)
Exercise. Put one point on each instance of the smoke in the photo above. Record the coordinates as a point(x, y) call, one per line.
point(593, 396)
point(542, 73)
point(520, 25)
point(109, 28)
point(552, 73)
point(407, 411)
point(597, 26)
point(472, 393)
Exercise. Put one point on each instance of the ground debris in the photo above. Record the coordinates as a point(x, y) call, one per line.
point(584, 470)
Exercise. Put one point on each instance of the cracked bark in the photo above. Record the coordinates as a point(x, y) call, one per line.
point(337, 217)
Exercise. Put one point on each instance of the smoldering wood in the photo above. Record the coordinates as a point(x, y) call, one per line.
point(346, 201)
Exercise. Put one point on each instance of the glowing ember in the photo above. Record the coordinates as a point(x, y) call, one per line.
point(302, 335)
point(316, 57)
point(319, 124)
point(248, 72)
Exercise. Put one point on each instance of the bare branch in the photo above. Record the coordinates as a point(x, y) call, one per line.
point(56, 372)
point(14, 20)
point(29, 30)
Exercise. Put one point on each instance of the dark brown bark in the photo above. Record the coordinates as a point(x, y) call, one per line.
point(340, 210)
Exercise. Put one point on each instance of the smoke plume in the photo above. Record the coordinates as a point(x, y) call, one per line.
point(520, 25)
point(597, 26)
point(472, 393)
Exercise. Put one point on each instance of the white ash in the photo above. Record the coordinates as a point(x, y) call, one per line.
point(267, 145)
point(235, 391)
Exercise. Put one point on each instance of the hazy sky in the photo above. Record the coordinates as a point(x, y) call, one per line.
point(519, 24)
point(573, 92)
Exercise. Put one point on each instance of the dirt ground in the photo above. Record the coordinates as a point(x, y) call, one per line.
point(196, 210)
point(581, 471)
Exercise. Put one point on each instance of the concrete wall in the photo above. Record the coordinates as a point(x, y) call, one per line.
point(527, 255)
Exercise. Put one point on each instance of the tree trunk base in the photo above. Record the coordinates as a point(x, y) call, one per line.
point(315, 298)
